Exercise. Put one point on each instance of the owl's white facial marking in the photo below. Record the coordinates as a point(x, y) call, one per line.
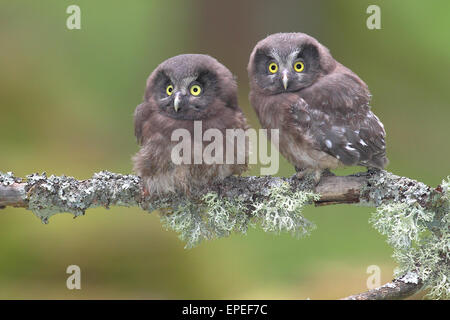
point(285, 66)
point(190, 95)
point(184, 84)
point(283, 69)
point(285, 63)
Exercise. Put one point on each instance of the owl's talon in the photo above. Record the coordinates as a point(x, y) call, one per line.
point(327, 173)
point(317, 175)
point(300, 173)
point(308, 174)
point(373, 170)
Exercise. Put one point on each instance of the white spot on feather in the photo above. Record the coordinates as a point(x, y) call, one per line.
point(328, 143)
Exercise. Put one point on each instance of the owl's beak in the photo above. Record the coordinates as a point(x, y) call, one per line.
point(176, 102)
point(285, 79)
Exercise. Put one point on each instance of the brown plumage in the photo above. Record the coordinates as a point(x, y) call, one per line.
point(320, 107)
point(171, 102)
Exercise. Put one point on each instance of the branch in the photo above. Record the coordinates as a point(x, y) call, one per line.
point(46, 196)
point(399, 288)
point(66, 194)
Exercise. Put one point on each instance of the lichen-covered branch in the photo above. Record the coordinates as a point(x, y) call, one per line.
point(413, 216)
point(48, 195)
point(399, 288)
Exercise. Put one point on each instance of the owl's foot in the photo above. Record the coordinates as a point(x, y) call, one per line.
point(327, 173)
point(314, 175)
point(300, 172)
point(373, 170)
point(317, 174)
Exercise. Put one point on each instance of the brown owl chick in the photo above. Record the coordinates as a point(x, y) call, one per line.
point(196, 93)
point(320, 107)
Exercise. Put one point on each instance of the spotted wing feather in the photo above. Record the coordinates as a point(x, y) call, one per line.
point(344, 128)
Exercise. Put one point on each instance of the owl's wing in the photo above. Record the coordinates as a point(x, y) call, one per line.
point(139, 119)
point(355, 136)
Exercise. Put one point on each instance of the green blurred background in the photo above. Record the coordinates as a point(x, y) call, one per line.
point(66, 104)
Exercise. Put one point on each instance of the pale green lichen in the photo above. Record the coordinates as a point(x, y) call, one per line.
point(446, 188)
point(8, 178)
point(215, 216)
point(50, 195)
point(403, 224)
point(282, 211)
point(420, 238)
point(384, 185)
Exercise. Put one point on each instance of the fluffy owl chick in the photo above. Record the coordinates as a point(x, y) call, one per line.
point(320, 107)
point(192, 92)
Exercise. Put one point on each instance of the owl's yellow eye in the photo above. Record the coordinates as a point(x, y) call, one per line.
point(299, 66)
point(196, 90)
point(169, 90)
point(273, 67)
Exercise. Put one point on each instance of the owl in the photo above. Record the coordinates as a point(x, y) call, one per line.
point(320, 107)
point(189, 93)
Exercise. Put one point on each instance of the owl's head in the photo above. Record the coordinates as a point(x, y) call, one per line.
point(191, 87)
point(287, 62)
